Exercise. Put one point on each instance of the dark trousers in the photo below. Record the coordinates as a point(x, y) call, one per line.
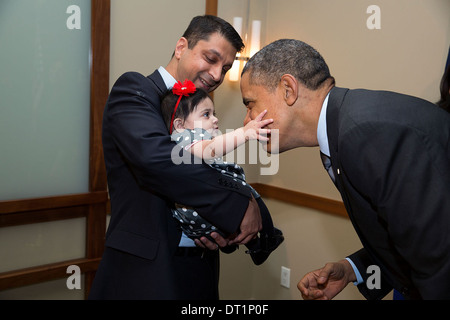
point(190, 274)
point(197, 274)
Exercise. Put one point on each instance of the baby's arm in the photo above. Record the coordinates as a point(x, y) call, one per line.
point(221, 145)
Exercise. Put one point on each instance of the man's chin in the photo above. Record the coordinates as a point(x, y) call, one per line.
point(269, 149)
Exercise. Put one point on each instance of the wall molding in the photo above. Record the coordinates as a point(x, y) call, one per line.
point(301, 199)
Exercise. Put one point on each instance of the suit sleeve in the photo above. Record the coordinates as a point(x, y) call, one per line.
point(405, 175)
point(362, 261)
point(134, 121)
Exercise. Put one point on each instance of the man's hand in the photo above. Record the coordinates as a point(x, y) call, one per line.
point(219, 241)
point(327, 282)
point(251, 224)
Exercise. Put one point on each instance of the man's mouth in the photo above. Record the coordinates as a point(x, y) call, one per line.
point(205, 84)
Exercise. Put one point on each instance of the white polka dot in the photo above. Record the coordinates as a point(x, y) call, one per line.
point(194, 214)
point(203, 225)
point(192, 222)
point(243, 183)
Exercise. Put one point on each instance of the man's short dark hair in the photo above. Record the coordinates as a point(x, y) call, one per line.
point(287, 56)
point(201, 27)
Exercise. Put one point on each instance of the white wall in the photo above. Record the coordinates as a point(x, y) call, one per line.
point(407, 55)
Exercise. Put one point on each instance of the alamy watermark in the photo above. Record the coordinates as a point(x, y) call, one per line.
point(73, 22)
point(257, 153)
point(74, 280)
point(374, 280)
point(374, 20)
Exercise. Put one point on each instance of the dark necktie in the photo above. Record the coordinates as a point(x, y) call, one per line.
point(327, 165)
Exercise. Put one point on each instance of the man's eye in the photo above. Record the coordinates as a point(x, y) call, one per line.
point(209, 60)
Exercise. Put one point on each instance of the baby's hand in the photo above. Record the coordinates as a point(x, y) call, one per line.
point(253, 129)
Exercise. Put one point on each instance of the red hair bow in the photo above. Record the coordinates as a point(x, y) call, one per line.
point(184, 89)
point(181, 89)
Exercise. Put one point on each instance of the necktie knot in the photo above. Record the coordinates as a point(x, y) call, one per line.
point(326, 160)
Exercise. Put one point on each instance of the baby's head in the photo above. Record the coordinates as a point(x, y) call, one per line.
point(193, 110)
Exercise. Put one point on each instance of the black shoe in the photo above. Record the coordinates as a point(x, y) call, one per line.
point(268, 243)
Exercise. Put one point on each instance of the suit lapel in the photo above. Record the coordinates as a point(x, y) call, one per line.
point(335, 102)
point(158, 81)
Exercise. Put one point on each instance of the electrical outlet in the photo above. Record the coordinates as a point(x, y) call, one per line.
point(285, 277)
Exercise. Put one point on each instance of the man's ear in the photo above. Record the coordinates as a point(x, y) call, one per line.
point(182, 44)
point(289, 87)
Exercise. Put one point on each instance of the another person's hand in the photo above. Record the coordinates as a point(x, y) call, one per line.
point(219, 241)
point(251, 224)
point(253, 129)
point(327, 282)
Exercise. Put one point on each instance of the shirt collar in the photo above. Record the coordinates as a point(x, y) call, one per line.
point(168, 79)
point(322, 135)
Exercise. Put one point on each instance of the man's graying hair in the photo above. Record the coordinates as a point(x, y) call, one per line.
point(287, 56)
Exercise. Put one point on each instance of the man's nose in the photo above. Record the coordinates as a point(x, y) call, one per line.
point(215, 72)
point(247, 118)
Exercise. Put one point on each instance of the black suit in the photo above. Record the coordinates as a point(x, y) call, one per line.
point(391, 158)
point(140, 259)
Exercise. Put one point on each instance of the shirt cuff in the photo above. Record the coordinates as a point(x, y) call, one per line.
point(359, 279)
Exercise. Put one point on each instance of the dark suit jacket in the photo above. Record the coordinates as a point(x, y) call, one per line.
point(391, 156)
point(143, 182)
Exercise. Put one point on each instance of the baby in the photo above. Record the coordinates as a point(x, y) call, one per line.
point(189, 115)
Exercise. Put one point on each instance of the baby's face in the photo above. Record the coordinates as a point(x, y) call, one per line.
point(203, 117)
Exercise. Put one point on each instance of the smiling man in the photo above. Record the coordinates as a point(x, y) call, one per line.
point(146, 256)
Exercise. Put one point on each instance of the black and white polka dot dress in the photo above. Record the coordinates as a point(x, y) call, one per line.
point(192, 224)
